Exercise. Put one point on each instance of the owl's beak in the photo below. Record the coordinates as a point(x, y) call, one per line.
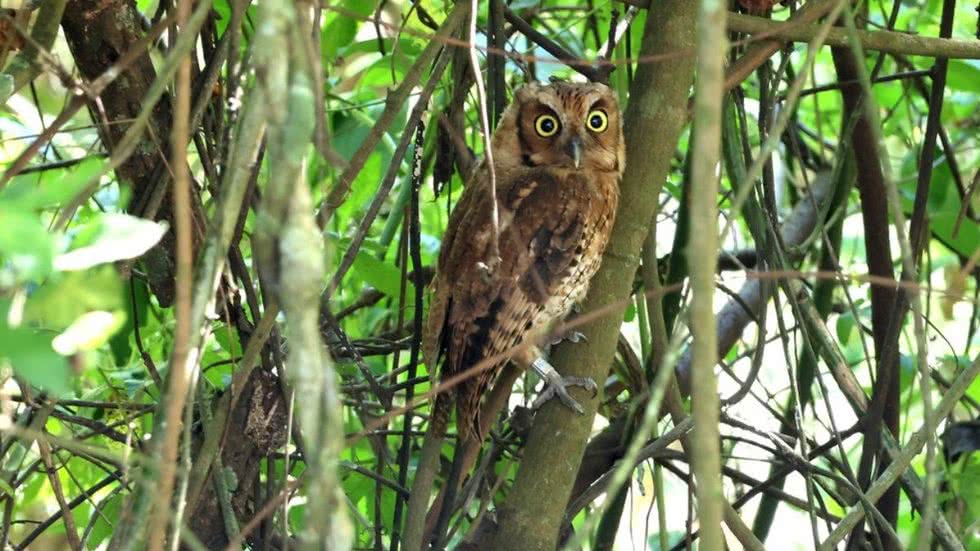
point(574, 150)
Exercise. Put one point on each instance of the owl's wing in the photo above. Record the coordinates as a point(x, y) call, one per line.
point(462, 221)
point(478, 313)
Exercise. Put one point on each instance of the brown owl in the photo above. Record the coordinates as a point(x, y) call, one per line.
point(558, 155)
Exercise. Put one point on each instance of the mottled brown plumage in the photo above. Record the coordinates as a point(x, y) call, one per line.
point(558, 156)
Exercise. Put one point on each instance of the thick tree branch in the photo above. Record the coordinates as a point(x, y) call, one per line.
point(531, 516)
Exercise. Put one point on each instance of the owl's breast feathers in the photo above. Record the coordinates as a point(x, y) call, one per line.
point(553, 228)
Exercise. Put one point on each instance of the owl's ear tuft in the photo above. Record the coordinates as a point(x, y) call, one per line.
point(525, 91)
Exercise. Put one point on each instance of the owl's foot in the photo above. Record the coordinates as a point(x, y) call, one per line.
point(556, 385)
point(572, 337)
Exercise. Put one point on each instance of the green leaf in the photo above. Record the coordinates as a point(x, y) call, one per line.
point(33, 358)
point(964, 75)
point(222, 14)
point(103, 528)
point(966, 483)
point(888, 93)
point(112, 237)
point(30, 491)
point(25, 244)
point(383, 277)
point(120, 343)
point(297, 518)
point(58, 303)
point(630, 313)
point(906, 372)
point(218, 370)
point(133, 380)
point(227, 339)
point(673, 537)
point(5, 488)
point(356, 488)
point(965, 242)
point(349, 129)
point(51, 188)
point(340, 32)
point(6, 85)
point(88, 332)
point(845, 327)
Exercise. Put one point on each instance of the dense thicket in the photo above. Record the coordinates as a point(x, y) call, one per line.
point(217, 220)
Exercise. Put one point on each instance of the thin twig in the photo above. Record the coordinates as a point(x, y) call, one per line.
point(78, 500)
point(481, 99)
point(70, 530)
point(580, 65)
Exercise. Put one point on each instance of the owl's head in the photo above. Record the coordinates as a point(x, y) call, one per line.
point(565, 125)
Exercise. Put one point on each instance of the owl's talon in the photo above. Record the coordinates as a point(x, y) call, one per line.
point(572, 337)
point(556, 385)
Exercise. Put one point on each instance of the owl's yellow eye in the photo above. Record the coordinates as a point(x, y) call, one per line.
point(546, 126)
point(597, 121)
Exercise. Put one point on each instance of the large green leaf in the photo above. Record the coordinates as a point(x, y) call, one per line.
point(967, 239)
point(944, 212)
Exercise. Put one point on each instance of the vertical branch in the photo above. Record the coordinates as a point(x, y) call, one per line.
point(889, 304)
point(533, 512)
point(702, 258)
point(292, 245)
point(495, 71)
point(415, 253)
point(874, 212)
point(181, 376)
point(918, 229)
point(313, 375)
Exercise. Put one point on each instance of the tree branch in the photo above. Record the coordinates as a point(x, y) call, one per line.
point(532, 514)
point(882, 41)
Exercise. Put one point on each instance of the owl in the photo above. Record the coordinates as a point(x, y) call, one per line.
point(558, 156)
